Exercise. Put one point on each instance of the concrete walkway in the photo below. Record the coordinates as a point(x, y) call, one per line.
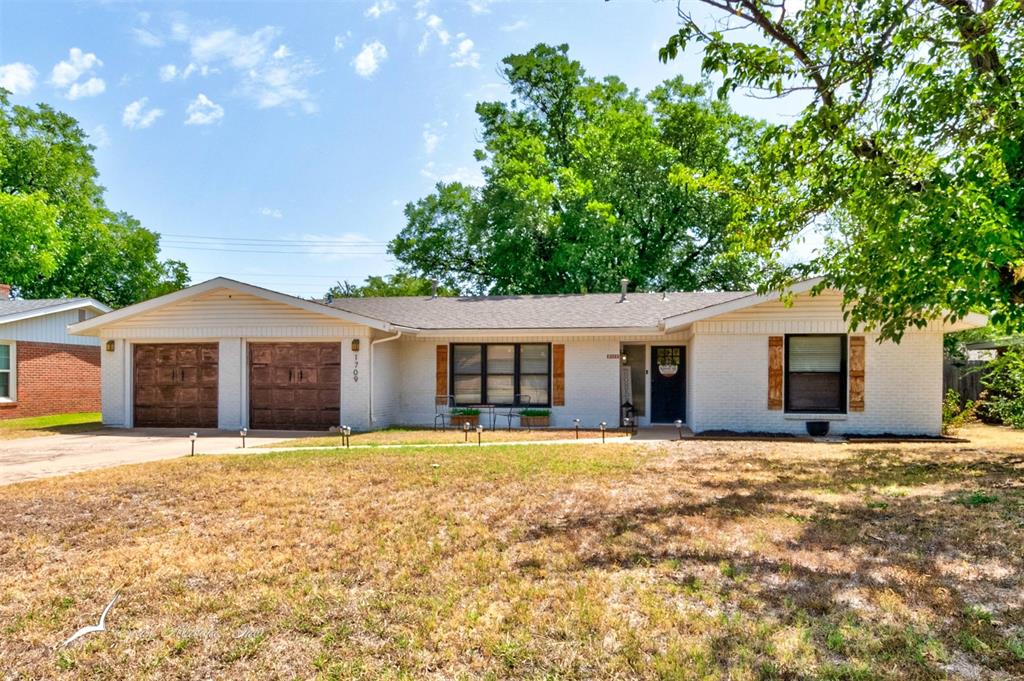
point(47, 456)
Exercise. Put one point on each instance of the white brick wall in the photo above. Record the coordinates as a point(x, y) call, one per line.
point(591, 379)
point(903, 386)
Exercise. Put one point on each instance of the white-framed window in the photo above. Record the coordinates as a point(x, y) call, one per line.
point(8, 365)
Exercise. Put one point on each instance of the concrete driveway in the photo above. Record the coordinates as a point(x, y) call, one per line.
point(47, 456)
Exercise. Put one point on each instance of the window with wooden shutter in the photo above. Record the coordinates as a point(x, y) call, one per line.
point(775, 371)
point(558, 375)
point(856, 373)
point(441, 372)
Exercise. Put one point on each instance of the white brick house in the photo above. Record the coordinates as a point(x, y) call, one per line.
point(229, 355)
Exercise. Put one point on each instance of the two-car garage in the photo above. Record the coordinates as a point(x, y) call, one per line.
point(291, 386)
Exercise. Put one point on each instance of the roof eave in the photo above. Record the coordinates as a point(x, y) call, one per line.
point(542, 332)
point(54, 309)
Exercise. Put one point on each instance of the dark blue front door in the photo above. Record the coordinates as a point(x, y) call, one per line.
point(668, 383)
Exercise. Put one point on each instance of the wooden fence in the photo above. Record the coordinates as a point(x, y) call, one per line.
point(965, 379)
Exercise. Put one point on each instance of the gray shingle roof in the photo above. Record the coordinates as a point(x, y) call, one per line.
point(19, 306)
point(580, 311)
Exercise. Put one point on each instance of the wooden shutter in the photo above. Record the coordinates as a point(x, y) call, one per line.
point(856, 373)
point(776, 346)
point(441, 374)
point(558, 375)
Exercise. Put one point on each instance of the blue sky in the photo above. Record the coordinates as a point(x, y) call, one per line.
point(277, 142)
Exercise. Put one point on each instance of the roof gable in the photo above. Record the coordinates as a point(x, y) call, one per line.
point(125, 315)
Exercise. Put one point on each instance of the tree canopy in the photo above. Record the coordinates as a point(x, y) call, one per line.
point(909, 157)
point(391, 285)
point(586, 181)
point(57, 236)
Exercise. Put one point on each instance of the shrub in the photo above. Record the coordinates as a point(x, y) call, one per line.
point(954, 416)
point(465, 411)
point(535, 412)
point(1005, 383)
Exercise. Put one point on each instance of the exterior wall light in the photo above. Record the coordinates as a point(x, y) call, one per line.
point(355, 345)
point(109, 346)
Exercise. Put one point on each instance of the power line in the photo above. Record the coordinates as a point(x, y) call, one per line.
point(257, 239)
point(306, 251)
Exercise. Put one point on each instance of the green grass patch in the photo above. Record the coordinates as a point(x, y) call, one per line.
point(977, 498)
point(83, 421)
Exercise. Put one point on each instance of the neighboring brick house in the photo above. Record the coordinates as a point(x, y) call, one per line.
point(230, 355)
point(43, 368)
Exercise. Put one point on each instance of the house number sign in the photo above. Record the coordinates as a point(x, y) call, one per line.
point(355, 367)
point(668, 361)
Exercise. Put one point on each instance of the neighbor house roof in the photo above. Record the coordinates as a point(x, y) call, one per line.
point(18, 309)
point(569, 311)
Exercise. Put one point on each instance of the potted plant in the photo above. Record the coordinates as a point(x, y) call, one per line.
point(535, 418)
point(463, 415)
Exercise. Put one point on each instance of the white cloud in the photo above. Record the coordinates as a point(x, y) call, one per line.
point(369, 58)
point(18, 77)
point(340, 40)
point(479, 6)
point(78, 63)
point(269, 78)
point(379, 8)
point(202, 111)
point(98, 137)
point(514, 26)
point(271, 213)
point(168, 72)
point(241, 51)
point(434, 27)
point(136, 116)
point(464, 55)
point(471, 176)
point(89, 88)
point(147, 38)
point(432, 136)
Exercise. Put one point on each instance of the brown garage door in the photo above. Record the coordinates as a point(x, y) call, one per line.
point(294, 386)
point(176, 385)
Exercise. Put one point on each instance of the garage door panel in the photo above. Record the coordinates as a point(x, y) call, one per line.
point(330, 375)
point(294, 385)
point(175, 385)
point(330, 353)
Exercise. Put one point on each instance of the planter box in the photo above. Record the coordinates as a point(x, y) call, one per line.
point(459, 419)
point(535, 421)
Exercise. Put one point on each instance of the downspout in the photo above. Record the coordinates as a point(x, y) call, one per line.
point(373, 343)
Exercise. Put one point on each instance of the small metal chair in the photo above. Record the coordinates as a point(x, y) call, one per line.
point(442, 409)
point(515, 411)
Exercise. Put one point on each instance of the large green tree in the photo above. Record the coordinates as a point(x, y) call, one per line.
point(586, 181)
point(57, 236)
point(909, 155)
point(388, 286)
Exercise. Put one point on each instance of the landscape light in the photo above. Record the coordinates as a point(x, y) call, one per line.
point(346, 433)
point(242, 433)
point(604, 425)
point(479, 433)
point(465, 431)
point(577, 423)
point(192, 438)
point(679, 428)
point(628, 423)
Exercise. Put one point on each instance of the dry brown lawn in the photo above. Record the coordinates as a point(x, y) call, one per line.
point(691, 560)
point(428, 436)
